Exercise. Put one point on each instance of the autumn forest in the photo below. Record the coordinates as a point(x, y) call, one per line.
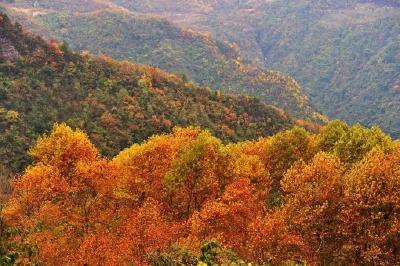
point(193, 154)
point(185, 198)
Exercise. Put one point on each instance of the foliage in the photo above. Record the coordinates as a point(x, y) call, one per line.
point(116, 103)
point(347, 58)
point(186, 198)
point(211, 253)
point(113, 30)
point(344, 53)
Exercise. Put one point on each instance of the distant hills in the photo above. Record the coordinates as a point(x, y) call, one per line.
point(117, 103)
point(346, 54)
point(102, 27)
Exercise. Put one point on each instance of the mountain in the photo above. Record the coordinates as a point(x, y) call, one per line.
point(102, 27)
point(346, 54)
point(117, 103)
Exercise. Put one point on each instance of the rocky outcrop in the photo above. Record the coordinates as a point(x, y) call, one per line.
point(7, 50)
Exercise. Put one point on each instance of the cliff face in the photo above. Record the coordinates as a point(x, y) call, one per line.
point(7, 50)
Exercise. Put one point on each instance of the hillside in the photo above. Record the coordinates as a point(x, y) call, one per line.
point(117, 103)
point(346, 54)
point(348, 59)
point(104, 28)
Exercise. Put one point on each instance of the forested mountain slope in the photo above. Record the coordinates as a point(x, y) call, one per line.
point(346, 54)
point(348, 59)
point(117, 103)
point(104, 28)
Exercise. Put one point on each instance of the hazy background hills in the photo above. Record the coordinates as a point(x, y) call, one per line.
point(344, 54)
point(117, 103)
point(105, 28)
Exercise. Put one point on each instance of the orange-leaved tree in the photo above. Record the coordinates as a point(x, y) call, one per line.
point(227, 219)
point(370, 219)
point(313, 196)
point(63, 198)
